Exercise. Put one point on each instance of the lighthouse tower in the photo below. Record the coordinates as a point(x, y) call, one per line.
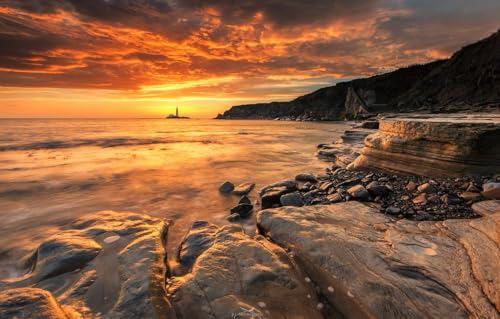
point(176, 112)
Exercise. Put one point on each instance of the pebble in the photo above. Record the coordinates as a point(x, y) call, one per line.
point(426, 188)
point(330, 289)
point(111, 239)
point(307, 279)
point(320, 305)
point(261, 304)
point(226, 187)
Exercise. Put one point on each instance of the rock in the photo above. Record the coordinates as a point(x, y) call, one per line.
point(491, 190)
point(87, 272)
point(411, 186)
point(292, 199)
point(427, 145)
point(391, 210)
point(376, 189)
point(370, 125)
point(226, 187)
point(233, 217)
point(243, 189)
point(335, 198)
point(310, 195)
point(487, 207)
point(306, 178)
point(420, 199)
point(62, 254)
point(237, 277)
point(30, 303)
point(273, 195)
point(244, 210)
point(244, 200)
point(470, 196)
point(326, 186)
point(379, 268)
point(349, 182)
point(288, 184)
point(307, 187)
point(359, 192)
point(426, 188)
point(450, 199)
point(472, 188)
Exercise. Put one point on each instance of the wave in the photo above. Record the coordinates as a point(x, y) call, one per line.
point(104, 143)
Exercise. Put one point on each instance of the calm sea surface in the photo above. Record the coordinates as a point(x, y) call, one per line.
point(52, 171)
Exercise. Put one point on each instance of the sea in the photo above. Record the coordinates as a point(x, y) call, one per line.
point(54, 170)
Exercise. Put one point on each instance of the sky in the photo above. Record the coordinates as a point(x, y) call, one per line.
point(142, 58)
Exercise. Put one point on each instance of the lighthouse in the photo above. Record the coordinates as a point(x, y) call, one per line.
point(177, 112)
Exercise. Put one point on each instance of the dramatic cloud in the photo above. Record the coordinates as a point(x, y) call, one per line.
point(235, 51)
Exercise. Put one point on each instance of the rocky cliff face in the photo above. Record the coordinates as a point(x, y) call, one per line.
point(469, 80)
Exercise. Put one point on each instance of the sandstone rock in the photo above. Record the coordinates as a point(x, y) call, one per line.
point(359, 192)
point(306, 178)
point(335, 198)
point(226, 187)
point(491, 190)
point(30, 303)
point(487, 207)
point(292, 199)
point(243, 189)
point(326, 186)
point(106, 263)
point(470, 196)
point(244, 210)
point(379, 268)
point(426, 188)
point(420, 199)
point(239, 275)
point(448, 145)
point(411, 186)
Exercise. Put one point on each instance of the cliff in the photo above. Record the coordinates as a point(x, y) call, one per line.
point(469, 80)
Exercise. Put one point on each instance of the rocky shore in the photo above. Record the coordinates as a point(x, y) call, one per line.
point(354, 242)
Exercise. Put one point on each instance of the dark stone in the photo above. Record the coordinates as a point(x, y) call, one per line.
point(306, 178)
point(244, 200)
point(226, 187)
point(243, 210)
point(377, 189)
point(292, 199)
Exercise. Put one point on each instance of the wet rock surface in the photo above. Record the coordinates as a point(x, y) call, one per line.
point(107, 264)
point(446, 145)
point(369, 265)
point(235, 276)
point(243, 189)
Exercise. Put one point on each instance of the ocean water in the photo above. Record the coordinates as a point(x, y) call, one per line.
point(52, 171)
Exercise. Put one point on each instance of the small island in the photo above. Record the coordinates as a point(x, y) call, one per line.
point(176, 116)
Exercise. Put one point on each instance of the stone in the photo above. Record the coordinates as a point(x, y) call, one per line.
point(359, 192)
point(243, 189)
point(450, 199)
point(30, 303)
point(244, 200)
point(377, 189)
point(123, 278)
point(428, 145)
point(239, 277)
point(380, 268)
point(288, 184)
point(244, 210)
point(272, 196)
point(420, 199)
point(233, 217)
point(391, 210)
point(226, 187)
point(326, 186)
point(411, 186)
point(335, 198)
point(491, 190)
point(306, 178)
point(307, 187)
point(470, 196)
point(292, 199)
point(472, 188)
point(487, 207)
point(426, 188)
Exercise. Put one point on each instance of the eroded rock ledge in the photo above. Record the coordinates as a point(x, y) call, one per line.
point(369, 265)
point(452, 145)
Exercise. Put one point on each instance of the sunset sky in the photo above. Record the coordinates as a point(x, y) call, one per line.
point(141, 58)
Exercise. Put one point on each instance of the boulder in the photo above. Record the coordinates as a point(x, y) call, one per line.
point(30, 303)
point(271, 194)
point(306, 178)
point(369, 265)
point(428, 145)
point(359, 192)
point(377, 189)
point(288, 184)
point(244, 210)
point(226, 187)
point(105, 264)
point(292, 199)
point(240, 277)
point(243, 189)
point(491, 190)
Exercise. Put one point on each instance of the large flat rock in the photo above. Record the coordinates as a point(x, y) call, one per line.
point(106, 264)
point(224, 273)
point(428, 145)
point(369, 265)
